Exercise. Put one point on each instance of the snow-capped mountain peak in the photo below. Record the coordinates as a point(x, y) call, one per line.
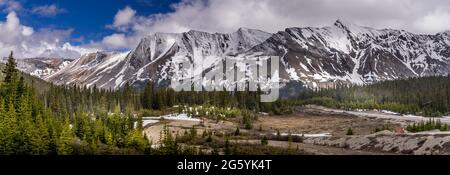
point(342, 52)
point(150, 60)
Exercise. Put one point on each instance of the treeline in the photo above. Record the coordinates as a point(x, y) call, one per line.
point(427, 96)
point(156, 98)
point(72, 98)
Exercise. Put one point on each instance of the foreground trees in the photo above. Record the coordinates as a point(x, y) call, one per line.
point(22, 129)
point(62, 121)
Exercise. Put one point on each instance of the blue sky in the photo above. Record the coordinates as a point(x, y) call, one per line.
point(87, 18)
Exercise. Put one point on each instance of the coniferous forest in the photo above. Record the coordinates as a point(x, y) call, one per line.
point(40, 121)
point(427, 96)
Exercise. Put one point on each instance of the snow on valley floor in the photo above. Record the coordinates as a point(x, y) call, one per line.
point(175, 116)
point(384, 114)
point(180, 117)
point(146, 122)
point(306, 135)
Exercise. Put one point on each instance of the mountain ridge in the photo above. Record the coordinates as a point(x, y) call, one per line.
point(316, 56)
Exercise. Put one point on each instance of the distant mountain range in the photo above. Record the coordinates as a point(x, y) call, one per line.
point(317, 57)
point(40, 67)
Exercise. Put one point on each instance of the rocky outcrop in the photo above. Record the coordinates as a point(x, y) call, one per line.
point(417, 144)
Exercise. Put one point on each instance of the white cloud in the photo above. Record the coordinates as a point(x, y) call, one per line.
point(416, 16)
point(27, 31)
point(115, 41)
point(28, 42)
point(10, 5)
point(435, 21)
point(11, 29)
point(47, 10)
point(124, 17)
point(275, 15)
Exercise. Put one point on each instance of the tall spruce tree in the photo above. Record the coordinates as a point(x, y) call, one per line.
point(65, 140)
point(10, 70)
point(8, 130)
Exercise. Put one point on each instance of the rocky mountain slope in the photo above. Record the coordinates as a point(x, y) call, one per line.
point(426, 143)
point(152, 58)
point(40, 67)
point(317, 57)
point(349, 53)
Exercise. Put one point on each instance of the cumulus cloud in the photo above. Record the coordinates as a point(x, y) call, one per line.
point(12, 29)
point(28, 42)
point(115, 41)
point(124, 17)
point(126, 23)
point(47, 10)
point(418, 16)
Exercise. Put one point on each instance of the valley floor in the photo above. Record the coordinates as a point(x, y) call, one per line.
point(323, 131)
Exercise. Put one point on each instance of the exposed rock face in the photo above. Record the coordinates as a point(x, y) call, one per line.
point(151, 59)
point(349, 53)
point(418, 144)
point(98, 69)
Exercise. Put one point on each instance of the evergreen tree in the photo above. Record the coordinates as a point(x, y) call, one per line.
point(264, 140)
point(8, 130)
point(227, 149)
point(10, 70)
point(41, 138)
point(135, 139)
point(27, 132)
point(349, 131)
point(65, 140)
point(237, 132)
point(109, 140)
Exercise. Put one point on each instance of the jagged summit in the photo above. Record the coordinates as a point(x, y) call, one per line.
point(343, 23)
point(350, 27)
point(248, 30)
point(357, 30)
